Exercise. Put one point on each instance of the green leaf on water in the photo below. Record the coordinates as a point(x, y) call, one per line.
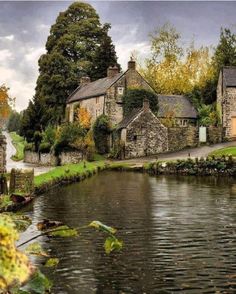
point(39, 284)
point(35, 249)
point(111, 244)
point(51, 262)
point(101, 227)
point(63, 231)
point(22, 222)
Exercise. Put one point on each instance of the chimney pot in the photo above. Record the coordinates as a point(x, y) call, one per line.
point(84, 81)
point(146, 104)
point(131, 64)
point(112, 71)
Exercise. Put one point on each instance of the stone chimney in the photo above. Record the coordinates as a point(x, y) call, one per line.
point(131, 63)
point(112, 71)
point(84, 81)
point(146, 105)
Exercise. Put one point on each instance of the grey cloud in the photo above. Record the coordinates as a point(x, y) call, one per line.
point(131, 22)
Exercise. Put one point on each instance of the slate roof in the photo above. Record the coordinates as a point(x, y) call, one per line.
point(93, 89)
point(128, 118)
point(229, 76)
point(181, 106)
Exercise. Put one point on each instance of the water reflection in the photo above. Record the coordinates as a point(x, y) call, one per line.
point(179, 234)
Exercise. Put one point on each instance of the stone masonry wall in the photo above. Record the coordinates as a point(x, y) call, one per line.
point(180, 138)
point(70, 157)
point(145, 136)
point(214, 135)
point(48, 159)
point(21, 181)
point(228, 110)
point(2, 154)
point(113, 101)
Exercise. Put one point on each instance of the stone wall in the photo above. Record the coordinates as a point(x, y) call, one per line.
point(214, 135)
point(21, 181)
point(70, 157)
point(180, 138)
point(145, 136)
point(2, 154)
point(113, 102)
point(48, 159)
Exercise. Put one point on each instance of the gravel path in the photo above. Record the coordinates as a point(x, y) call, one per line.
point(11, 150)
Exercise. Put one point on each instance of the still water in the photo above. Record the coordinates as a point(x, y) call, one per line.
point(179, 234)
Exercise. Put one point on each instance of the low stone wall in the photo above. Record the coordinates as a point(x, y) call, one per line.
point(70, 157)
point(48, 159)
point(214, 135)
point(22, 181)
point(2, 154)
point(180, 138)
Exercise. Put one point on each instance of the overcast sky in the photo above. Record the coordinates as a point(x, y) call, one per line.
point(24, 27)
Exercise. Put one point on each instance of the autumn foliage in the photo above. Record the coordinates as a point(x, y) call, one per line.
point(4, 104)
point(83, 117)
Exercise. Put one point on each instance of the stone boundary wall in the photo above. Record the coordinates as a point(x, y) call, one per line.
point(22, 181)
point(180, 138)
point(2, 154)
point(214, 135)
point(48, 159)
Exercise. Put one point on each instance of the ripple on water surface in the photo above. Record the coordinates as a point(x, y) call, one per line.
point(179, 234)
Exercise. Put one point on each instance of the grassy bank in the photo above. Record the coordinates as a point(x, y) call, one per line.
point(66, 174)
point(19, 144)
point(224, 151)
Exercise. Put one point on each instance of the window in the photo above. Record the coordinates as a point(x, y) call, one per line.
point(120, 90)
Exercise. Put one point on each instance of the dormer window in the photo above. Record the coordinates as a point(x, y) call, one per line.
point(120, 90)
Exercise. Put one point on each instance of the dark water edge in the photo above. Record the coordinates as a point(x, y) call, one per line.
point(179, 234)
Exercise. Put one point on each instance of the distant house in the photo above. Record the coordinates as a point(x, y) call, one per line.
point(177, 108)
point(142, 133)
point(226, 100)
point(104, 96)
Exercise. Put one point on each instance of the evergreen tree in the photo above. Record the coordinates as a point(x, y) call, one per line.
point(225, 53)
point(78, 45)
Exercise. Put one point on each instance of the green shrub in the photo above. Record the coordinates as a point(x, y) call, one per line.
point(67, 136)
point(101, 132)
point(45, 147)
point(29, 147)
point(133, 98)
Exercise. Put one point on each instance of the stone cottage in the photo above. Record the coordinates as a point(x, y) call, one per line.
point(226, 100)
point(104, 96)
point(142, 133)
point(176, 110)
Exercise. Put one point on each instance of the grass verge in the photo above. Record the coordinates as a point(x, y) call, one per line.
point(19, 144)
point(224, 151)
point(67, 172)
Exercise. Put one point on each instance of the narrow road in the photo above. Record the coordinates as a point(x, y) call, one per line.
point(11, 150)
point(202, 151)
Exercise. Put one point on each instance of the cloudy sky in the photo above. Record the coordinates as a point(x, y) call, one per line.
point(24, 27)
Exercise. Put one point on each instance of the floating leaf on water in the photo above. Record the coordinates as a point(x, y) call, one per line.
point(64, 231)
point(39, 284)
point(51, 262)
point(35, 249)
point(111, 244)
point(21, 221)
point(100, 226)
point(47, 224)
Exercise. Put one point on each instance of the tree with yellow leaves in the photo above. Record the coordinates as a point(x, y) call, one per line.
point(5, 101)
point(171, 69)
point(83, 117)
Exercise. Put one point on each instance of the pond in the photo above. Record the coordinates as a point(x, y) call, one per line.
point(179, 234)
